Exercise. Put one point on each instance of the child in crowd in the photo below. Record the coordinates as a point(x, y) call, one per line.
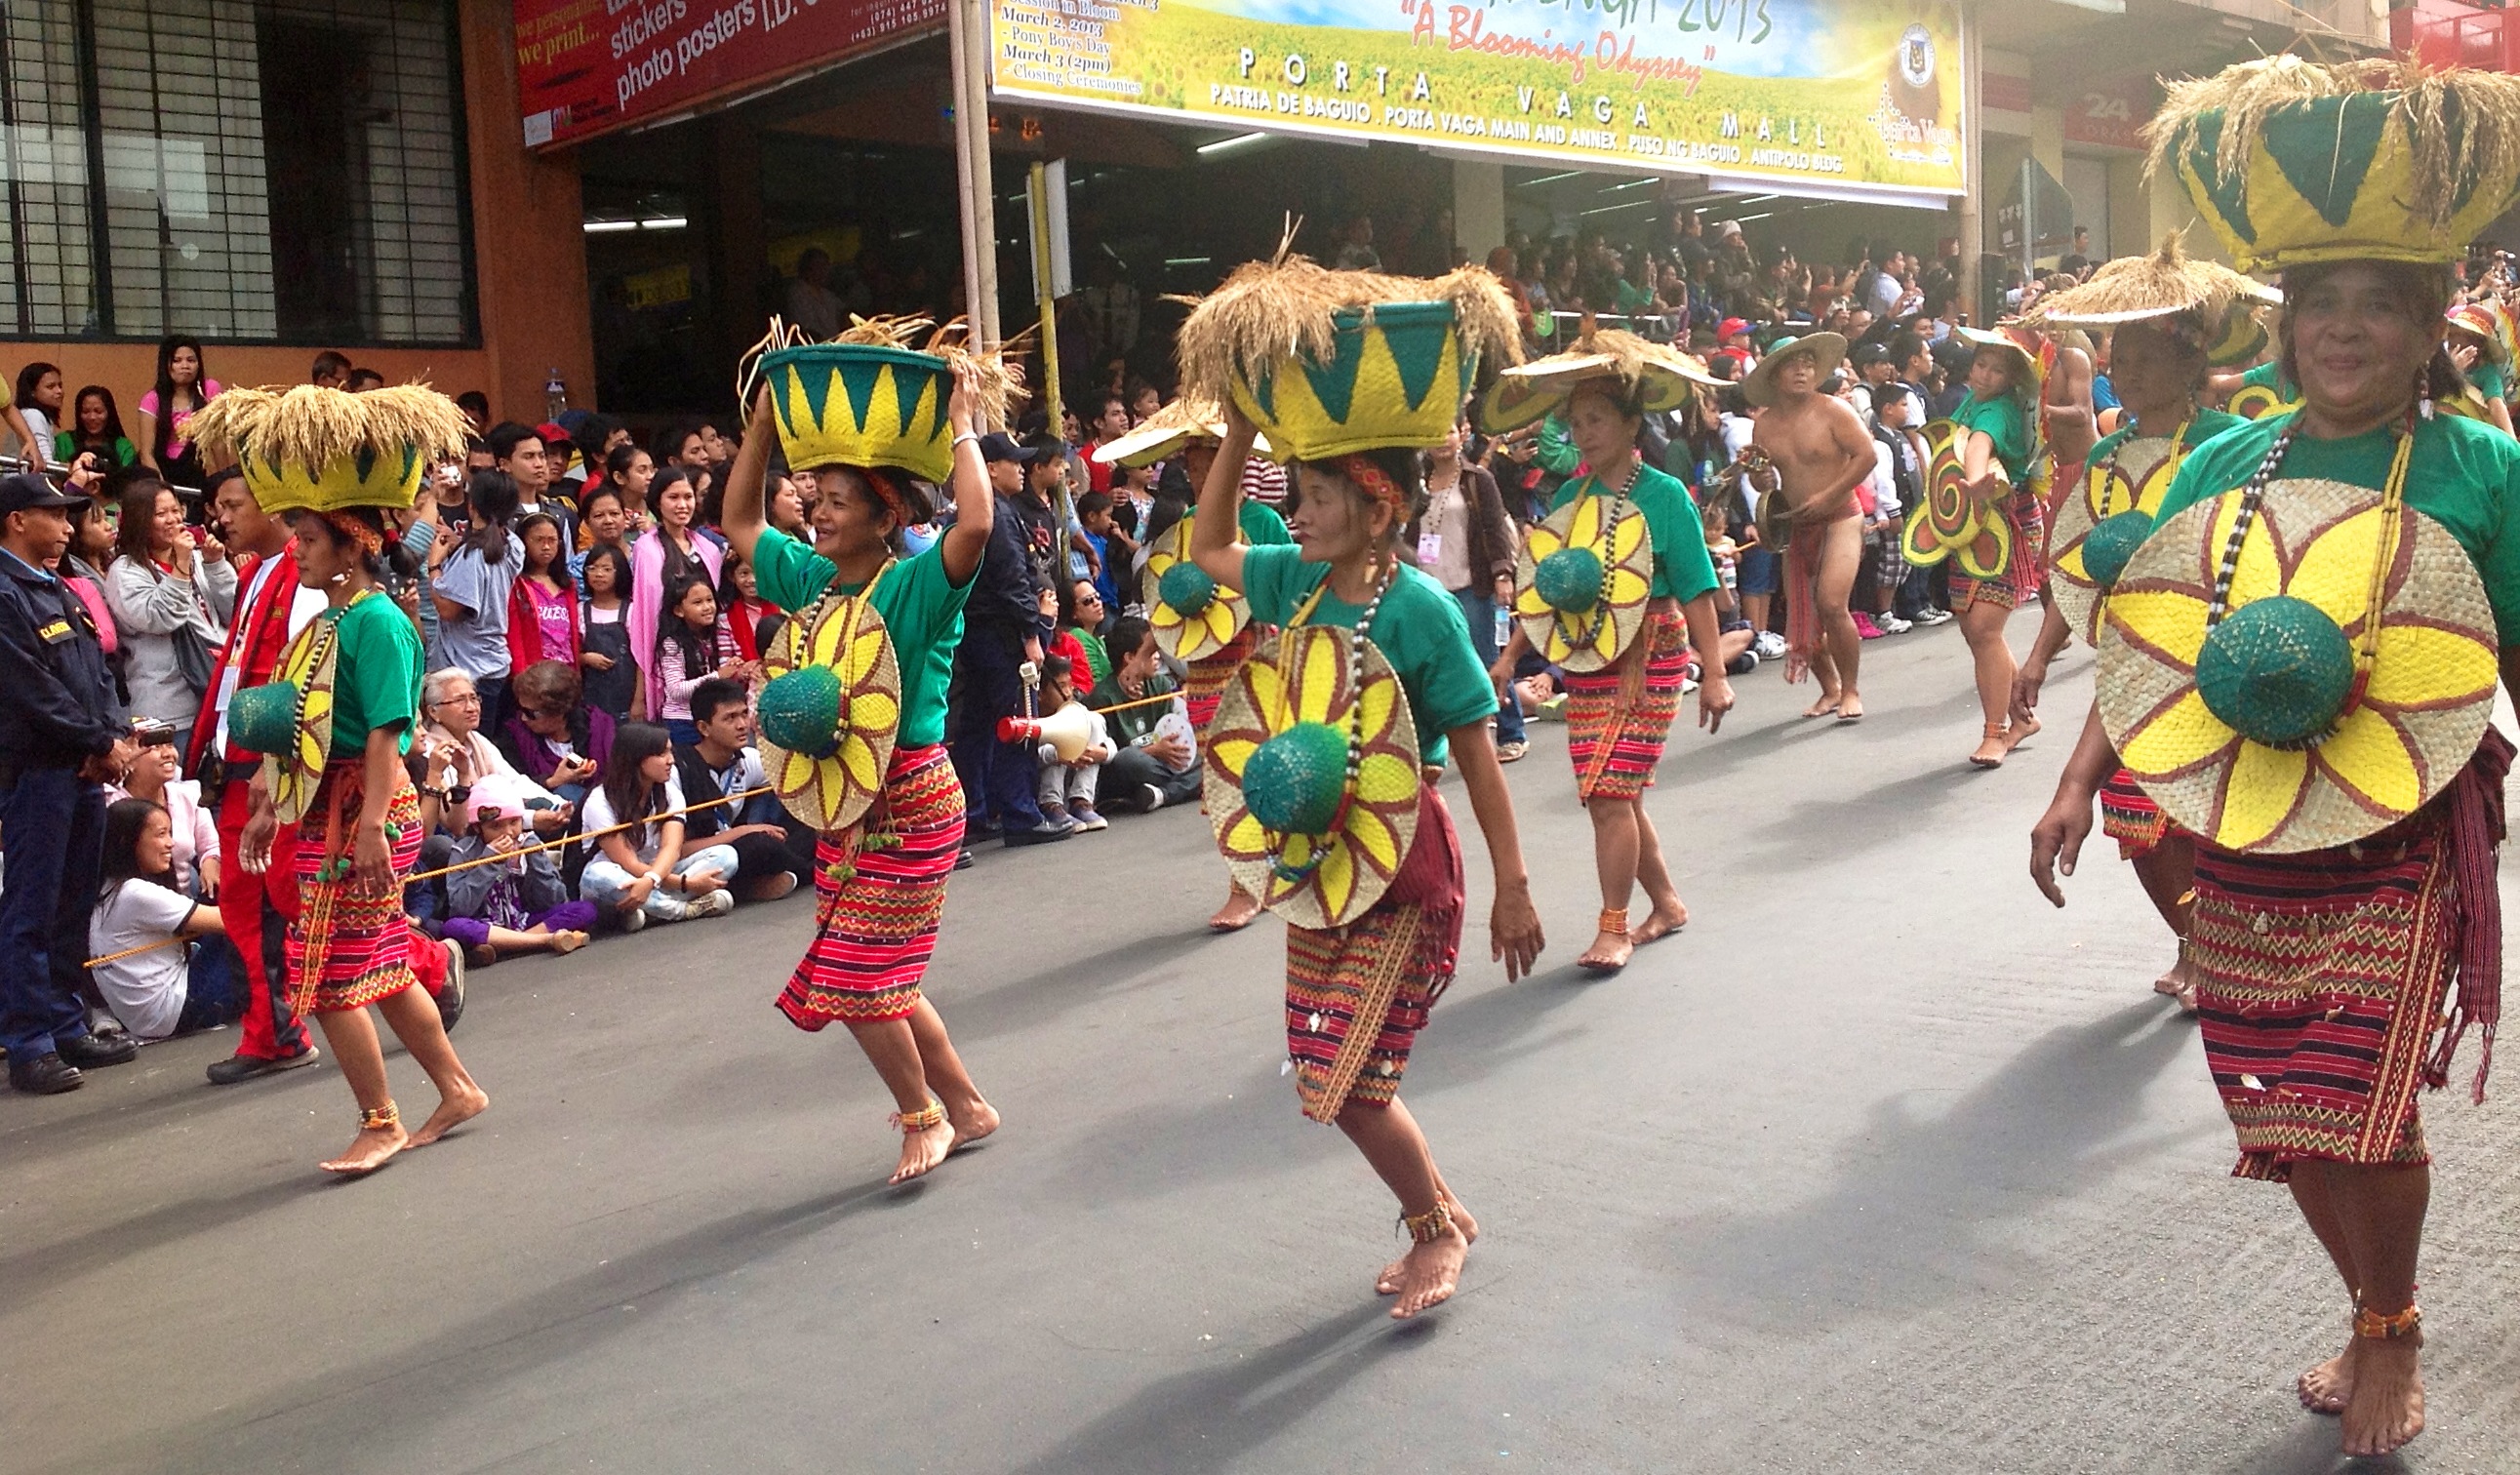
point(603, 626)
point(691, 646)
point(640, 875)
point(750, 621)
point(542, 607)
point(1066, 789)
point(156, 992)
point(497, 911)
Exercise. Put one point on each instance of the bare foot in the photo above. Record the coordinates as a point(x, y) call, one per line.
point(2384, 1405)
point(2180, 983)
point(1239, 909)
point(1821, 705)
point(2022, 730)
point(1991, 749)
point(1608, 953)
point(1662, 921)
point(2325, 1388)
point(1388, 1282)
point(1430, 1273)
point(452, 1111)
point(370, 1151)
point(568, 942)
point(972, 1123)
point(1849, 708)
point(921, 1152)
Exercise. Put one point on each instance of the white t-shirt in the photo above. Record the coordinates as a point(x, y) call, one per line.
point(147, 989)
point(598, 815)
point(304, 606)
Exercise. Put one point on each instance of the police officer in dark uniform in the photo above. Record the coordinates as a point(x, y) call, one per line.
point(63, 734)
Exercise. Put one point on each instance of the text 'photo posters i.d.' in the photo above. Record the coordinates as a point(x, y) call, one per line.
point(1857, 92)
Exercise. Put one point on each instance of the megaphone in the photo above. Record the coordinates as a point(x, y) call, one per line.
point(1068, 731)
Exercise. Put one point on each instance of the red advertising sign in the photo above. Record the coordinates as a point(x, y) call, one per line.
point(588, 67)
point(2112, 113)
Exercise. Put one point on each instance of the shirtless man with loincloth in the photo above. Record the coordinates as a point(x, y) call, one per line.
point(1820, 453)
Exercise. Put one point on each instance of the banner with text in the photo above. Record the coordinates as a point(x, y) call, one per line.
point(1860, 93)
point(589, 66)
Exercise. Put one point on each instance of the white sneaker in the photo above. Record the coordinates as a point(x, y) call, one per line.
point(718, 902)
point(1768, 645)
point(1891, 624)
point(1934, 616)
point(634, 919)
point(1155, 796)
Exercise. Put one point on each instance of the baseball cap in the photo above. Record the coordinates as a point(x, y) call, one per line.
point(998, 445)
point(1869, 354)
point(494, 796)
point(22, 490)
point(1730, 327)
point(549, 432)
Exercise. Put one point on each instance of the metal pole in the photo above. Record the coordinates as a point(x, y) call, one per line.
point(1045, 288)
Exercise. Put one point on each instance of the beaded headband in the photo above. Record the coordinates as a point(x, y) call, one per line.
point(1362, 471)
point(371, 541)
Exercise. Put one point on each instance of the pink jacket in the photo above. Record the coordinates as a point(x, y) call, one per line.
point(647, 603)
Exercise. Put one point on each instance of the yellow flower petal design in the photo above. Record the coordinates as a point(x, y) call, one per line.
point(1384, 779)
point(1558, 648)
point(1528, 603)
point(2335, 571)
point(1246, 837)
point(863, 652)
point(1605, 639)
point(2071, 565)
point(1233, 753)
point(2420, 664)
point(1625, 537)
point(1297, 852)
point(1336, 878)
point(1583, 529)
point(1318, 682)
point(1268, 692)
point(2165, 619)
point(1367, 833)
point(874, 712)
point(857, 760)
point(2366, 754)
point(1544, 542)
point(1626, 586)
point(2256, 575)
point(2176, 739)
point(2265, 784)
point(1376, 702)
point(1162, 616)
point(796, 772)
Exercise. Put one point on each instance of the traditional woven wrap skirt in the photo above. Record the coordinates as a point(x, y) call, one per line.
point(2022, 573)
point(1357, 996)
point(349, 946)
point(2323, 981)
point(1617, 719)
point(881, 886)
point(1203, 682)
point(2130, 817)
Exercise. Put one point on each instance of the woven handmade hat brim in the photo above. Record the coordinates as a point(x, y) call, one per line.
point(312, 663)
point(1525, 394)
point(2136, 484)
point(1165, 432)
point(1948, 523)
point(1305, 673)
point(1187, 638)
point(2417, 724)
point(835, 793)
point(1581, 641)
point(1828, 350)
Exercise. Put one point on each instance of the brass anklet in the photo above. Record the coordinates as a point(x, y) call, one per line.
point(930, 1115)
point(1613, 921)
point(380, 1119)
point(1429, 1227)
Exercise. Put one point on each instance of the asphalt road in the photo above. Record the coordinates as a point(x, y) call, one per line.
point(1882, 1165)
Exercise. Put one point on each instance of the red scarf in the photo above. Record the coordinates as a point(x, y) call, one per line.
point(255, 644)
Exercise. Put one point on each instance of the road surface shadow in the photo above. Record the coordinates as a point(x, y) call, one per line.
point(106, 1245)
point(2310, 1448)
point(1209, 1418)
point(1904, 1226)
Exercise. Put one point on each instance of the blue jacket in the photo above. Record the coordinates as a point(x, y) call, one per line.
point(60, 709)
point(1007, 594)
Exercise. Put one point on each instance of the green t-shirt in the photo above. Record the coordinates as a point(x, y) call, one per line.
point(2464, 474)
point(375, 683)
point(65, 450)
point(1682, 568)
point(2203, 426)
point(1261, 525)
point(2005, 422)
point(1128, 726)
point(1098, 660)
point(1419, 629)
point(2492, 380)
point(922, 609)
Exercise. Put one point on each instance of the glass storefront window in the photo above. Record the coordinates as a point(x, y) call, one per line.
point(271, 170)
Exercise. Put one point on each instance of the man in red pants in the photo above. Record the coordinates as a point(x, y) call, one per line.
point(256, 909)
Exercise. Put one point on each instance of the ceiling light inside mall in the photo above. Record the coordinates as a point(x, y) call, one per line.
point(665, 223)
point(1235, 142)
point(608, 227)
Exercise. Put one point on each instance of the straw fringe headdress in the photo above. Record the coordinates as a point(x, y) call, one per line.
point(309, 447)
point(2169, 281)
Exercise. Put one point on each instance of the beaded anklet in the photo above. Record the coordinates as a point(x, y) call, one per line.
point(1429, 1227)
point(379, 1119)
point(925, 1118)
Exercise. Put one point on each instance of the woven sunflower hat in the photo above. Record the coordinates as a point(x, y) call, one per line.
point(2293, 161)
point(1163, 435)
point(877, 394)
point(1192, 617)
point(831, 711)
point(1326, 363)
point(2098, 524)
point(313, 449)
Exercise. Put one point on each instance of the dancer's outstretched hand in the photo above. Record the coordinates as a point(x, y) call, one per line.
point(2057, 843)
point(1513, 930)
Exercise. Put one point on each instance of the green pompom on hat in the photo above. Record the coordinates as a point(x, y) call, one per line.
point(263, 719)
point(1569, 579)
point(2108, 545)
point(1294, 782)
point(2277, 670)
point(800, 711)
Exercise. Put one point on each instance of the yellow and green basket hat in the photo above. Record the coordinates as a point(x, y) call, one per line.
point(1328, 363)
point(1162, 434)
point(289, 719)
point(831, 710)
point(1581, 581)
point(2294, 161)
point(2313, 714)
point(1656, 376)
point(313, 449)
point(868, 397)
point(1312, 775)
point(1192, 615)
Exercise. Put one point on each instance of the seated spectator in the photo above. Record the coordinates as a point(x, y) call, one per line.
point(498, 910)
point(1157, 761)
point(724, 763)
point(156, 992)
point(640, 875)
point(195, 829)
point(1081, 616)
point(1066, 789)
point(554, 738)
point(611, 670)
point(463, 755)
